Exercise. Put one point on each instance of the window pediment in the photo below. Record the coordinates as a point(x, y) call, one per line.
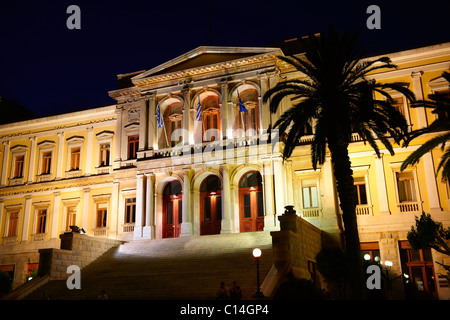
point(75, 139)
point(134, 126)
point(46, 144)
point(19, 148)
point(104, 135)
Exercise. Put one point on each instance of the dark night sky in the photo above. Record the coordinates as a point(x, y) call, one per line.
point(50, 69)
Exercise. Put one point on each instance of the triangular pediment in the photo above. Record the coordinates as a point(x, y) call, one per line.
point(205, 56)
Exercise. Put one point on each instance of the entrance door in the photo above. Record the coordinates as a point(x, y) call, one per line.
point(251, 204)
point(172, 210)
point(210, 206)
point(419, 277)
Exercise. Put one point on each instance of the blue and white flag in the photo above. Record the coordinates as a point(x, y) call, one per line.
point(242, 108)
point(159, 118)
point(199, 111)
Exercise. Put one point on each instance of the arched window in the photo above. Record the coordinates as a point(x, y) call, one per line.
point(171, 133)
point(246, 121)
point(211, 118)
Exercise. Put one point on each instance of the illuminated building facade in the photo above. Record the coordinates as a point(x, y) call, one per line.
point(176, 155)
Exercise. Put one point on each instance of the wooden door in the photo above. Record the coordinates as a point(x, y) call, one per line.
point(210, 212)
point(172, 217)
point(251, 209)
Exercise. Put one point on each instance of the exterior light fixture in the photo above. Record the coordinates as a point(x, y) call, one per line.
point(257, 255)
point(367, 257)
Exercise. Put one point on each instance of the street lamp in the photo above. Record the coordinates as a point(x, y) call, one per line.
point(257, 254)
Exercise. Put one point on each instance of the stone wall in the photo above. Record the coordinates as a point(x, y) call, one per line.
point(296, 243)
point(76, 249)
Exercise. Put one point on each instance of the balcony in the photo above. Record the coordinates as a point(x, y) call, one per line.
point(128, 227)
point(38, 237)
point(409, 206)
point(311, 212)
point(101, 232)
point(364, 210)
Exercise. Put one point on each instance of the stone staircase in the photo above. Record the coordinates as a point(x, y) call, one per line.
point(170, 269)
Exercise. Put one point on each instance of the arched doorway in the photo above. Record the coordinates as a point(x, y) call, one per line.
point(210, 206)
point(172, 209)
point(251, 204)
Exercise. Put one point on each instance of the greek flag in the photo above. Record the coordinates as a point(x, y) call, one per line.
point(242, 108)
point(159, 118)
point(199, 111)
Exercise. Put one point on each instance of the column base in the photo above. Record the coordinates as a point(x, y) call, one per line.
point(186, 229)
point(269, 223)
point(148, 232)
point(137, 232)
point(226, 226)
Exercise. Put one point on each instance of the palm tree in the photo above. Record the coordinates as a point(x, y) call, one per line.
point(441, 105)
point(339, 99)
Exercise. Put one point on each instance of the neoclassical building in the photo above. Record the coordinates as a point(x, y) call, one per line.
point(184, 150)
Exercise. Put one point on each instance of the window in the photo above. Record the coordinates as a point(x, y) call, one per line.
point(211, 118)
point(309, 194)
point(247, 120)
point(173, 122)
point(18, 167)
point(133, 146)
point(102, 213)
point(12, 224)
point(406, 188)
point(443, 94)
point(71, 217)
point(104, 154)
point(75, 159)
point(41, 219)
point(398, 104)
point(130, 210)
point(360, 186)
point(46, 162)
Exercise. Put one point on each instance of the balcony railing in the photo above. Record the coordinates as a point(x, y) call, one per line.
point(364, 210)
point(101, 232)
point(409, 206)
point(128, 227)
point(311, 212)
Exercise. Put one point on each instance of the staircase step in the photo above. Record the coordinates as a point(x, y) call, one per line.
point(181, 268)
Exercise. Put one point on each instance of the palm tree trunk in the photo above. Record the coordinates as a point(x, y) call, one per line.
point(347, 195)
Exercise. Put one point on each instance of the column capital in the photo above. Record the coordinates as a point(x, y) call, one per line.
point(416, 74)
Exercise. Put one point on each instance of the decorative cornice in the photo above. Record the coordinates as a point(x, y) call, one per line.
point(212, 70)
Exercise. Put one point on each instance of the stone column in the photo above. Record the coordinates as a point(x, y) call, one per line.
point(118, 136)
point(269, 210)
point(151, 134)
point(55, 217)
point(186, 116)
point(149, 229)
point(227, 207)
point(143, 125)
point(381, 185)
point(32, 160)
point(224, 109)
point(59, 159)
point(89, 151)
point(264, 109)
point(186, 225)
point(418, 92)
point(114, 222)
point(280, 183)
point(26, 218)
point(5, 162)
point(140, 205)
point(85, 216)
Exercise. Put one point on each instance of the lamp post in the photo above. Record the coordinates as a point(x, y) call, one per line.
point(257, 254)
